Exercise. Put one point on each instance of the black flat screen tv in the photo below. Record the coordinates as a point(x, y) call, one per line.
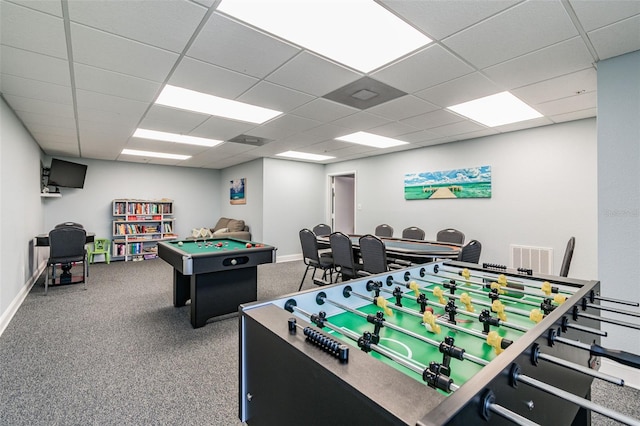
point(66, 174)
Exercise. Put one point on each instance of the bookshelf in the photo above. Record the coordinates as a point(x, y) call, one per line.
point(138, 225)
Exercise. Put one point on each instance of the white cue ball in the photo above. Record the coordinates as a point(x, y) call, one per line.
point(180, 243)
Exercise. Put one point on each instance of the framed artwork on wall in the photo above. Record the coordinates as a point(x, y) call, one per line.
point(237, 191)
point(473, 182)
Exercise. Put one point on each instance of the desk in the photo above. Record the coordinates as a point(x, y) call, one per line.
point(414, 251)
point(217, 274)
point(42, 240)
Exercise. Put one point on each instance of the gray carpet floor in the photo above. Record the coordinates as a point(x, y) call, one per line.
point(119, 353)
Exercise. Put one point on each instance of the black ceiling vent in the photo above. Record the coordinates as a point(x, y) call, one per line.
point(364, 93)
point(250, 140)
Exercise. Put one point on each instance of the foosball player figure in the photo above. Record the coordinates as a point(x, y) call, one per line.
point(435, 378)
point(374, 286)
point(378, 322)
point(448, 351)
point(487, 320)
point(452, 310)
point(547, 306)
point(364, 342)
point(397, 293)
point(451, 285)
point(319, 319)
point(422, 301)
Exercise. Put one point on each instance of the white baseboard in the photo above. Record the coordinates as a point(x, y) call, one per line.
point(8, 314)
point(628, 374)
point(289, 258)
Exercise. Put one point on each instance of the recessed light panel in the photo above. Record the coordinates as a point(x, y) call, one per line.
point(154, 154)
point(358, 33)
point(369, 139)
point(190, 100)
point(496, 110)
point(304, 156)
point(174, 137)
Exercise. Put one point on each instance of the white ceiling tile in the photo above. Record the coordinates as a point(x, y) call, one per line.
point(522, 29)
point(56, 119)
point(32, 30)
point(47, 6)
point(63, 132)
point(235, 46)
point(105, 108)
point(402, 107)
point(462, 89)
point(559, 87)
point(439, 19)
point(284, 126)
point(574, 115)
point(571, 103)
point(431, 66)
point(361, 121)
point(563, 58)
point(34, 66)
point(429, 120)
point(112, 83)
point(103, 50)
point(459, 128)
point(311, 74)
point(617, 39)
point(536, 122)
point(393, 130)
point(273, 96)
point(165, 24)
point(222, 129)
point(595, 14)
point(37, 106)
point(419, 137)
point(206, 78)
point(166, 119)
point(324, 110)
point(23, 87)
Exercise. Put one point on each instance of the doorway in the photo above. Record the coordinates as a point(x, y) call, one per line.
point(343, 202)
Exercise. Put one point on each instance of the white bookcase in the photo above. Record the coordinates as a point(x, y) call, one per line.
point(138, 225)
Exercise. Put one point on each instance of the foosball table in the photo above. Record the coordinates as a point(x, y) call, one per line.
point(443, 343)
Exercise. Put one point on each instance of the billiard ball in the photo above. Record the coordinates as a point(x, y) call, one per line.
point(180, 243)
point(248, 245)
point(429, 308)
point(219, 245)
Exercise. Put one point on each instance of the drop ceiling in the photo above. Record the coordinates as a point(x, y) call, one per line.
point(83, 75)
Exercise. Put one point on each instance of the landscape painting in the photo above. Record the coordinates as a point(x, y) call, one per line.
point(474, 182)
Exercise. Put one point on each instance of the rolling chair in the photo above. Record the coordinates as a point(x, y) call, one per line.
point(343, 257)
point(384, 230)
point(470, 252)
point(413, 233)
point(100, 246)
point(322, 229)
point(568, 255)
point(313, 259)
point(450, 235)
point(66, 246)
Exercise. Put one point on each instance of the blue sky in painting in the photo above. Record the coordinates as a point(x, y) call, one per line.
point(470, 175)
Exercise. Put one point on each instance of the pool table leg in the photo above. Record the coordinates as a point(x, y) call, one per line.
point(181, 288)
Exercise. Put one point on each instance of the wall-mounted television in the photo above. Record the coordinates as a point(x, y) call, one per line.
point(66, 174)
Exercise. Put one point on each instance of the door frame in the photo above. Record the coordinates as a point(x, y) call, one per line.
point(332, 201)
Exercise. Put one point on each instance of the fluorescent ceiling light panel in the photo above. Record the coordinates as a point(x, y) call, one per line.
point(496, 110)
point(190, 100)
point(174, 137)
point(304, 156)
point(369, 139)
point(154, 154)
point(358, 33)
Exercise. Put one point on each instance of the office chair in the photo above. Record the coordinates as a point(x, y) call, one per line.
point(568, 255)
point(100, 246)
point(343, 256)
point(470, 252)
point(384, 230)
point(322, 229)
point(66, 246)
point(413, 233)
point(313, 259)
point(450, 235)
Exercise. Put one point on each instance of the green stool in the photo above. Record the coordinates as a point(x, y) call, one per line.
point(100, 246)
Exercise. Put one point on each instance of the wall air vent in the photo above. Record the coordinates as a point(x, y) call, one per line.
point(538, 259)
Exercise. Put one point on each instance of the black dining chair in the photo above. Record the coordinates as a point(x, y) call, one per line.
point(450, 235)
point(413, 233)
point(568, 255)
point(66, 247)
point(344, 259)
point(384, 230)
point(470, 252)
point(373, 254)
point(322, 229)
point(314, 259)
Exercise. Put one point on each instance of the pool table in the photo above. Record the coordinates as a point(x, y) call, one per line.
point(217, 274)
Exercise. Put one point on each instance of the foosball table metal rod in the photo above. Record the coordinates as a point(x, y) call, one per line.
point(577, 314)
point(577, 367)
point(584, 403)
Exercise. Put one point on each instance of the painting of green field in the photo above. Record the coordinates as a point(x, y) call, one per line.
point(474, 182)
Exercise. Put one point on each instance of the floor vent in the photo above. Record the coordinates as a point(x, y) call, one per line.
point(538, 259)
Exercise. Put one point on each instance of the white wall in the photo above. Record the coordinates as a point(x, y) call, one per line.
point(21, 212)
point(619, 191)
point(295, 197)
point(543, 192)
point(195, 193)
point(251, 212)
